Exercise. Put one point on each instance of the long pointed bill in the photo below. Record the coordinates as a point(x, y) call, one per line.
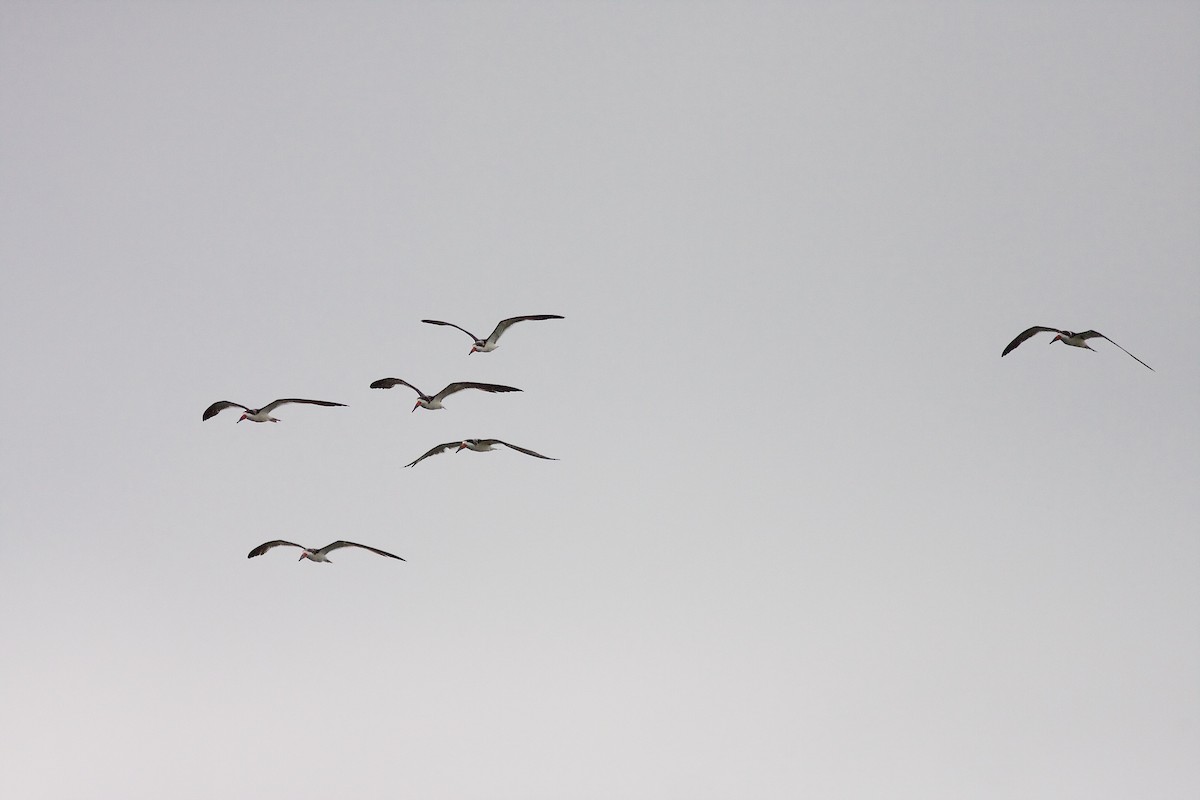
point(415, 407)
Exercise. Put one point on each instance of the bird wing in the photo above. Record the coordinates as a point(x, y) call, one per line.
point(1025, 335)
point(1096, 334)
point(269, 407)
point(265, 546)
point(452, 325)
point(483, 387)
point(329, 548)
point(217, 408)
point(503, 324)
point(387, 383)
point(433, 451)
point(521, 449)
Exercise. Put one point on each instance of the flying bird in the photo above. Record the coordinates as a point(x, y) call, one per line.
point(260, 414)
point(434, 401)
point(493, 341)
point(479, 446)
point(321, 555)
point(1073, 339)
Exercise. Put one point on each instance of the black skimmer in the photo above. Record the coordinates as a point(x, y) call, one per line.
point(321, 555)
point(260, 414)
point(479, 446)
point(434, 401)
point(1073, 339)
point(493, 341)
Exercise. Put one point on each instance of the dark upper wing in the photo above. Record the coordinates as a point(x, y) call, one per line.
point(483, 387)
point(387, 383)
point(523, 450)
point(329, 548)
point(433, 451)
point(270, 406)
point(1025, 335)
point(503, 324)
point(265, 546)
point(1096, 334)
point(452, 325)
point(217, 408)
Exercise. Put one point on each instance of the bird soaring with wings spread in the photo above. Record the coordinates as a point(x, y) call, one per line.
point(493, 340)
point(434, 401)
point(260, 414)
point(479, 446)
point(312, 554)
point(1073, 339)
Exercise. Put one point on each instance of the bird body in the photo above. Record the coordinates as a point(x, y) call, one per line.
point(1070, 338)
point(316, 554)
point(1073, 339)
point(479, 446)
point(493, 340)
point(260, 414)
point(433, 402)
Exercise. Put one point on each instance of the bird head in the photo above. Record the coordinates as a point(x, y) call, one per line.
point(303, 555)
point(1057, 338)
point(242, 417)
point(416, 406)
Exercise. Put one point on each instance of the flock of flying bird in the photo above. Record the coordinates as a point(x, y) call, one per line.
point(430, 402)
point(433, 402)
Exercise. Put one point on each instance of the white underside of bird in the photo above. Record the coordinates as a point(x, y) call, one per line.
point(480, 446)
point(1074, 341)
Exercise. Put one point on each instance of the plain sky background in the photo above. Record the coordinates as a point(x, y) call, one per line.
point(809, 536)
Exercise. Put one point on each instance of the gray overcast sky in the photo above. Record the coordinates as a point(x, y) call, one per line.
point(809, 534)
